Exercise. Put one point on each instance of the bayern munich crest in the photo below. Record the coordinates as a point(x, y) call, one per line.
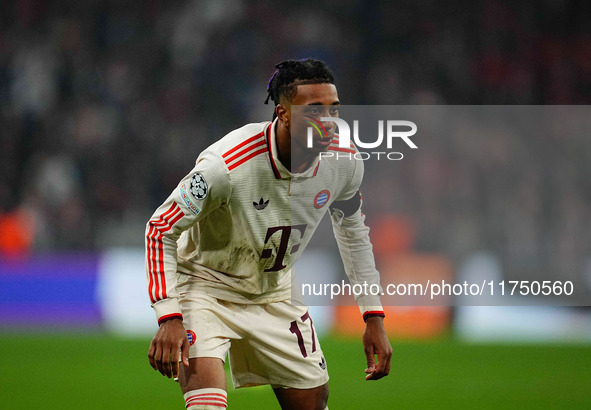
point(191, 336)
point(198, 186)
point(321, 198)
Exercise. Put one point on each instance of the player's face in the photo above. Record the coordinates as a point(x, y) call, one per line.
point(311, 102)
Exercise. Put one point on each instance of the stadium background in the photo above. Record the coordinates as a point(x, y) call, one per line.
point(100, 100)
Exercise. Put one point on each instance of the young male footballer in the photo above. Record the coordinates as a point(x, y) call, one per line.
point(220, 249)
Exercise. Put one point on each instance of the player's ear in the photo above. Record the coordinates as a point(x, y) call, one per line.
point(283, 114)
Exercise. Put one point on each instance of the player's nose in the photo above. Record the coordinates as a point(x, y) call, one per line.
point(329, 125)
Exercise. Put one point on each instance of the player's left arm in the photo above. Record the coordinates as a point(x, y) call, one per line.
point(356, 251)
point(352, 236)
point(376, 343)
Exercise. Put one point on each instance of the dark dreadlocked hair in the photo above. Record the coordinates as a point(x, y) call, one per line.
point(291, 73)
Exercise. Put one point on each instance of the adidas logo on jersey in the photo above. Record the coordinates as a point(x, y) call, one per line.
point(261, 205)
point(322, 364)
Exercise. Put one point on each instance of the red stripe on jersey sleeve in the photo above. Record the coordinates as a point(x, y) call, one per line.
point(244, 151)
point(151, 248)
point(155, 249)
point(243, 160)
point(157, 245)
point(161, 253)
point(332, 148)
point(335, 140)
point(243, 143)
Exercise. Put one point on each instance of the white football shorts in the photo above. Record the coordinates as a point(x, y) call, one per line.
point(272, 343)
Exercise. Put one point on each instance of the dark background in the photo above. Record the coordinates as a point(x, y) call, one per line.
point(105, 105)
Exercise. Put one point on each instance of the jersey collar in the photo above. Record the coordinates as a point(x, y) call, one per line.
point(279, 170)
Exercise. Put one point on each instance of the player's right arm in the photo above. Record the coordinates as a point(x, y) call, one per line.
point(203, 190)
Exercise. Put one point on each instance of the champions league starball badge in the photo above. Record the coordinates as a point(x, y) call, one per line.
point(198, 186)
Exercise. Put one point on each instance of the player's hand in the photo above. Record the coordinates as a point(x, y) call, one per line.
point(375, 342)
point(170, 339)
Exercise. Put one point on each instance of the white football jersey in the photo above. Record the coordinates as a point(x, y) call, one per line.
point(240, 220)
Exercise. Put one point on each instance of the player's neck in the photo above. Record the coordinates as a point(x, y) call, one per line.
point(288, 154)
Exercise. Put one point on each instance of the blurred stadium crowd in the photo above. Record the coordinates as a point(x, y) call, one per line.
point(105, 105)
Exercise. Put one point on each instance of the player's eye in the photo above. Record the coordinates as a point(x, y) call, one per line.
point(334, 111)
point(313, 111)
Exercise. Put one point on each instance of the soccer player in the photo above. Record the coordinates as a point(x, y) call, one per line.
point(220, 250)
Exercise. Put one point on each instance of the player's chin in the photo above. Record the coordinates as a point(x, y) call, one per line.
point(320, 145)
point(316, 151)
